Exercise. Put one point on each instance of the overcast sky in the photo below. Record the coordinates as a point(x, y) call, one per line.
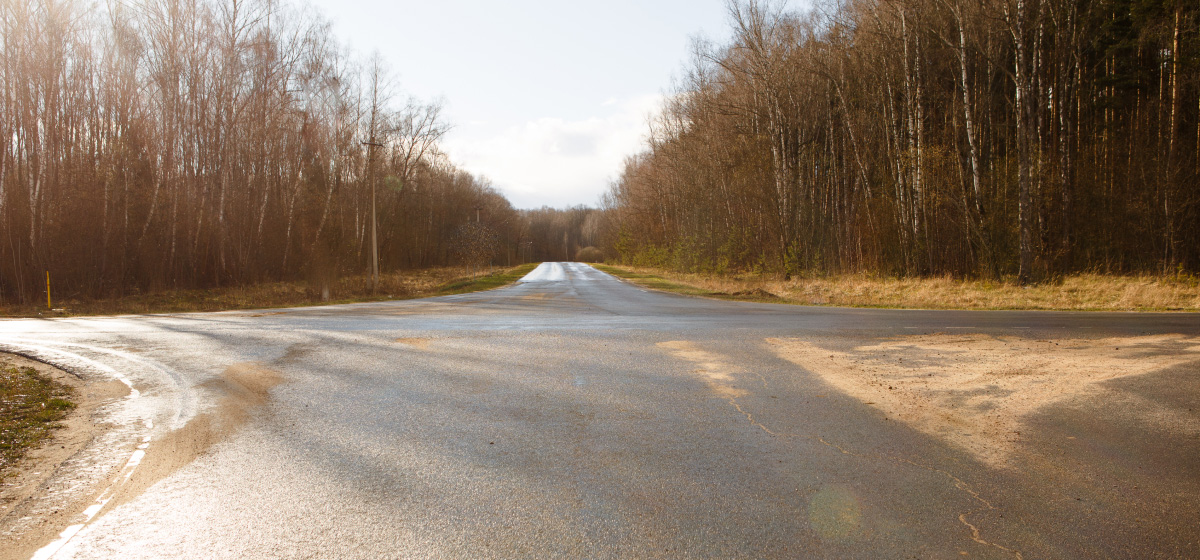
point(546, 97)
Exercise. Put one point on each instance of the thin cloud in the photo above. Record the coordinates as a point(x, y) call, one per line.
point(553, 160)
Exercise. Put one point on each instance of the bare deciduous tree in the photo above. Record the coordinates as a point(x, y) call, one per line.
point(1024, 137)
point(210, 142)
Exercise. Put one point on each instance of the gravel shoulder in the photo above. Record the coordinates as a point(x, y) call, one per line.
point(975, 391)
point(21, 488)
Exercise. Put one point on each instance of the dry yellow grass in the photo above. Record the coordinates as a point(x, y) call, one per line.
point(1093, 292)
point(398, 285)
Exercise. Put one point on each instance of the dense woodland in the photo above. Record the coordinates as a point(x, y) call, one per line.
point(969, 137)
point(177, 144)
point(552, 234)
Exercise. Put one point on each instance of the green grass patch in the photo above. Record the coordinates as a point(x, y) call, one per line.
point(653, 281)
point(491, 281)
point(31, 406)
point(656, 282)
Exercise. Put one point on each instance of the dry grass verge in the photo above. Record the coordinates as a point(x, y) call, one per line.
point(398, 285)
point(1082, 292)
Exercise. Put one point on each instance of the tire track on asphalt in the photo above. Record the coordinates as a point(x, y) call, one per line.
point(50, 352)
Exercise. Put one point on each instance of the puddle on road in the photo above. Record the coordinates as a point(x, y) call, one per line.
point(974, 391)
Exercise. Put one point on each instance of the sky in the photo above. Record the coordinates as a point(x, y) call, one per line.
point(546, 98)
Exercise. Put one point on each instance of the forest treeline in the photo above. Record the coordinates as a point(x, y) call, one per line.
point(179, 144)
point(562, 234)
point(967, 137)
point(167, 144)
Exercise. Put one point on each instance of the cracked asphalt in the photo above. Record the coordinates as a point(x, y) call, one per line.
point(547, 420)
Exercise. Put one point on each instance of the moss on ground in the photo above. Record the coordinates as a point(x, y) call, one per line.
point(31, 406)
point(494, 280)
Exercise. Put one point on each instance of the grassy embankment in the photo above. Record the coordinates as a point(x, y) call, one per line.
point(30, 407)
point(1082, 292)
point(399, 285)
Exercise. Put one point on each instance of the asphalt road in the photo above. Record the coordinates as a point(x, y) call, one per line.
point(544, 420)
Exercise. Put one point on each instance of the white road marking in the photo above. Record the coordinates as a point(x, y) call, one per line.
point(64, 537)
point(133, 393)
point(185, 405)
point(131, 464)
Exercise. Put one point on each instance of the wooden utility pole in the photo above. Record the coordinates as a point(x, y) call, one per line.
point(371, 145)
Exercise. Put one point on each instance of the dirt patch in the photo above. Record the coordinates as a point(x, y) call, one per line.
point(418, 343)
point(243, 387)
point(32, 406)
point(40, 464)
point(974, 391)
point(713, 368)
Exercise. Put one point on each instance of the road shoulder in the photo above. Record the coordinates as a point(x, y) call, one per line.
point(21, 489)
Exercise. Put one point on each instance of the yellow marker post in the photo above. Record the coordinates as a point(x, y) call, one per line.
point(48, 306)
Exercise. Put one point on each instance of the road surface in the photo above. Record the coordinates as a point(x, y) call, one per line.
point(575, 415)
